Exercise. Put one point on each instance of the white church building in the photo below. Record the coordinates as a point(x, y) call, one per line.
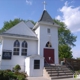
point(30, 46)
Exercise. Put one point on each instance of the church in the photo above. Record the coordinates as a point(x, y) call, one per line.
point(31, 46)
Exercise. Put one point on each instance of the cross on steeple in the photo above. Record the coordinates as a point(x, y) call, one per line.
point(44, 5)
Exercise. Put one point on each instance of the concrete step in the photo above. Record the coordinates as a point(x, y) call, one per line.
point(56, 66)
point(61, 77)
point(63, 74)
point(58, 70)
point(60, 73)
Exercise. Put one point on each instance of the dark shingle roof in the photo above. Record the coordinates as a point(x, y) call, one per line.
point(46, 17)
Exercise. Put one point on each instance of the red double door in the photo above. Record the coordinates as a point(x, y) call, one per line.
point(49, 56)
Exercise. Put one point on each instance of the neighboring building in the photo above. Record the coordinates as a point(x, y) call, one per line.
point(30, 46)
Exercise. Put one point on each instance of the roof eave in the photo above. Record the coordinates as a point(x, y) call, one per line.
point(44, 23)
point(19, 37)
point(36, 25)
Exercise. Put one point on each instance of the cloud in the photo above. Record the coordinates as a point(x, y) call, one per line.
point(70, 16)
point(29, 2)
point(58, 17)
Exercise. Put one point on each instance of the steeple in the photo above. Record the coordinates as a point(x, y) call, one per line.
point(46, 17)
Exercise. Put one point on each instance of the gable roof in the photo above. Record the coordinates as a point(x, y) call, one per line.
point(20, 29)
point(46, 17)
point(29, 24)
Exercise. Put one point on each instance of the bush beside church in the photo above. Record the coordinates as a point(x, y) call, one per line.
point(10, 75)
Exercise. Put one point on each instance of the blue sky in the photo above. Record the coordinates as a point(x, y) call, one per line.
point(67, 11)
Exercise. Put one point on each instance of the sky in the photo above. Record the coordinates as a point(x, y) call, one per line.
point(67, 11)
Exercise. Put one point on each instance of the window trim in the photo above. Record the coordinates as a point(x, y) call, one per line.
point(24, 47)
point(16, 47)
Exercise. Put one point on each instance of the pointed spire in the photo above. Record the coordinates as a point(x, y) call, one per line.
point(44, 5)
point(46, 17)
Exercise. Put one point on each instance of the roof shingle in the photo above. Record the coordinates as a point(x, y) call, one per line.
point(46, 17)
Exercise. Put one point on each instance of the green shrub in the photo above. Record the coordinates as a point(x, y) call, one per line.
point(8, 70)
point(8, 75)
point(17, 68)
point(4, 75)
point(75, 75)
point(12, 75)
point(1, 75)
point(20, 73)
point(20, 77)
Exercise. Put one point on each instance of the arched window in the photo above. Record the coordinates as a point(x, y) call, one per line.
point(24, 48)
point(48, 44)
point(16, 48)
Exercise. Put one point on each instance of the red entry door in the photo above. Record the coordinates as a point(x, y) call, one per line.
point(49, 55)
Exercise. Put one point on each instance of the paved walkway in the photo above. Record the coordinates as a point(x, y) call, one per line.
point(42, 78)
point(37, 78)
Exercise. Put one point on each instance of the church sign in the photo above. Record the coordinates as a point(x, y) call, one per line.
point(6, 55)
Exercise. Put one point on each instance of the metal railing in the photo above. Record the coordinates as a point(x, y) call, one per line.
point(48, 65)
point(69, 66)
point(57, 69)
point(63, 69)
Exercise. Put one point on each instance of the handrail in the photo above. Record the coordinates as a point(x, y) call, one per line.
point(63, 70)
point(49, 66)
point(56, 67)
point(47, 63)
point(70, 66)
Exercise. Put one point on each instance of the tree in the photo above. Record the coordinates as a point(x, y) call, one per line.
point(66, 40)
point(9, 24)
point(65, 35)
point(65, 51)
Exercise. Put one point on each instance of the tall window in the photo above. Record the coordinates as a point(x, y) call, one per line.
point(24, 48)
point(16, 48)
point(48, 44)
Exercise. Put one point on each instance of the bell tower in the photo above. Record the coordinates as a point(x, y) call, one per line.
point(47, 33)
